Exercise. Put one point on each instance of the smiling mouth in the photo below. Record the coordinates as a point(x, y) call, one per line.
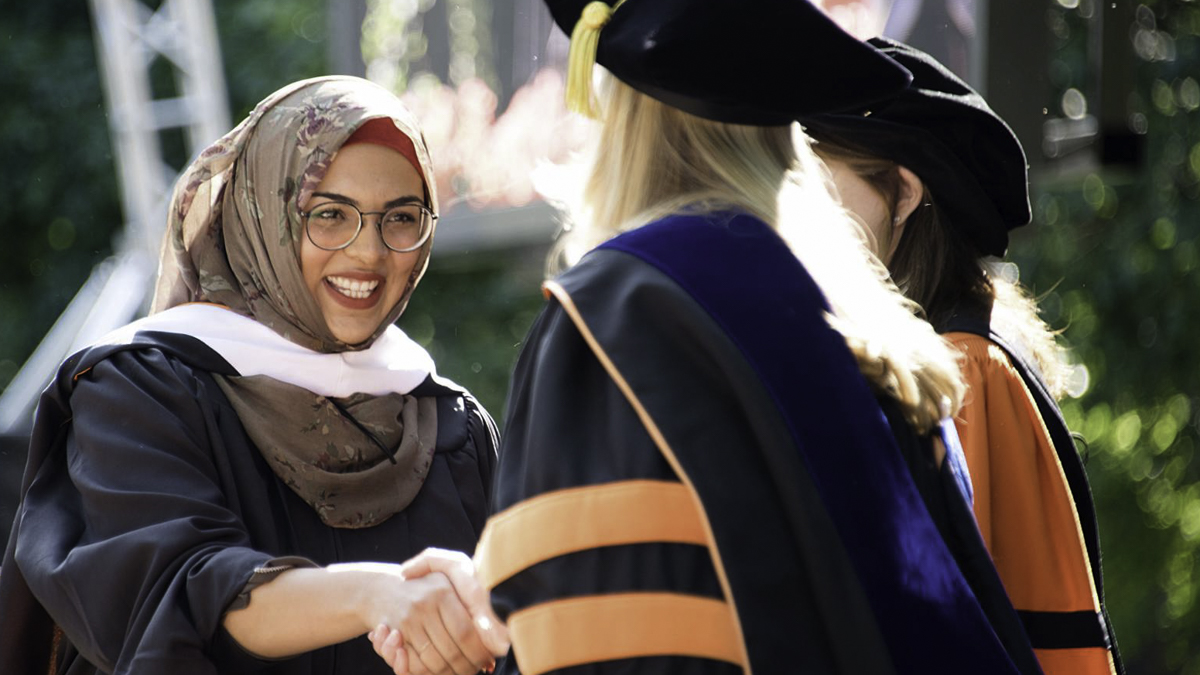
point(352, 288)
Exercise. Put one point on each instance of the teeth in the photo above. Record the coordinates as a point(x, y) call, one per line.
point(352, 288)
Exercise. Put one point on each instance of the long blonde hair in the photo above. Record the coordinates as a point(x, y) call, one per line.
point(651, 160)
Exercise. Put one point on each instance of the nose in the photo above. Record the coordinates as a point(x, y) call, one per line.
point(368, 245)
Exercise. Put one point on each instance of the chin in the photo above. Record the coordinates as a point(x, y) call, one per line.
point(353, 339)
point(352, 335)
point(353, 327)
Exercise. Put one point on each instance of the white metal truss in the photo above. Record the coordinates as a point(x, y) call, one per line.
point(130, 37)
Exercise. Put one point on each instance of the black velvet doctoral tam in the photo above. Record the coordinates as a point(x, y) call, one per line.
point(737, 61)
point(945, 132)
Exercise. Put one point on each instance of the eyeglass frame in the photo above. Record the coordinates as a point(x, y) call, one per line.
point(378, 224)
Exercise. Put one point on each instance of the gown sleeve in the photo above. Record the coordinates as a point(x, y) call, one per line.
point(138, 550)
point(568, 427)
point(1020, 491)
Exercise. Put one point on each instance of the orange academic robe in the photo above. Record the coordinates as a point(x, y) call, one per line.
point(1024, 506)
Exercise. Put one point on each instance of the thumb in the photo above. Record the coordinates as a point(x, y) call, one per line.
point(492, 631)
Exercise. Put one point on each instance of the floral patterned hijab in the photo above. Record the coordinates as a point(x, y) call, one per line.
point(234, 227)
point(233, 239)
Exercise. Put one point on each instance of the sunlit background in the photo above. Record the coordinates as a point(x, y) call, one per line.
point(104, 101)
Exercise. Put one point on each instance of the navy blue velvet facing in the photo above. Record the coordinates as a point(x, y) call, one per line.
point(746, 278)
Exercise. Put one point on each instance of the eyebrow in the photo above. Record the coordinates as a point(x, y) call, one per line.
point(407, 199)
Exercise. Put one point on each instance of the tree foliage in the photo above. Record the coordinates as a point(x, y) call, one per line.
point(59, 194)
point(59, 199)
point(1116, 251)
point(472, 313)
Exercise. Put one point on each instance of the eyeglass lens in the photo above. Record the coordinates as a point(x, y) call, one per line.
point(334, 225)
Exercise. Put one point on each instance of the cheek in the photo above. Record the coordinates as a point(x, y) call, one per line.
point(865, 203)
point(858, 199)
point(400, 268)
point(312, 264)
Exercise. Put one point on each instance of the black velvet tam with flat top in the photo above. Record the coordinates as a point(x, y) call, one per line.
point(755, 62)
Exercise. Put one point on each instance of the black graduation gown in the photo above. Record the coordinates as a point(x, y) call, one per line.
point(695, 350)
point(146, 510)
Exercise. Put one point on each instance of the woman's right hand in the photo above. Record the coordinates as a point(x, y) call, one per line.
point(439, 620)
point(433, 602)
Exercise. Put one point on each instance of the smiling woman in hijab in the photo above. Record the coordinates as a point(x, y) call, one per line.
point(234, 483)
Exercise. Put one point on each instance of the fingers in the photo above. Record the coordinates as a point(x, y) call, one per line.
point(471, 654)
point(437, 617)
point(446, 652)
point(492, 631)
point(449, 625)
point(425, 655)
point(389, 647)
point(478, 603)
point(460, 570)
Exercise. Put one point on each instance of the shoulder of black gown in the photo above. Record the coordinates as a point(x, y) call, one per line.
point(116, 422)
point(25, 628)
point(477, 423)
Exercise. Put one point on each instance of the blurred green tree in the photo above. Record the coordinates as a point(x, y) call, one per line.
point(472, 313)
point(59, 199)
point(1115, 250)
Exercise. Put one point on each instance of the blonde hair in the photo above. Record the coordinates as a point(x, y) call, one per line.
point(651, 160)
point(1015, 313)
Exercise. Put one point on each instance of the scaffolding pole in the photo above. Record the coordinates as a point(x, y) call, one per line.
point(130, 38)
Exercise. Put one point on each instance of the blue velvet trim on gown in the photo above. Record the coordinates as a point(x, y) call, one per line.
point(748, 280)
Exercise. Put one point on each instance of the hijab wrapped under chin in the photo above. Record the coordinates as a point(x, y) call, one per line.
point(234, 226)
point(233, 239)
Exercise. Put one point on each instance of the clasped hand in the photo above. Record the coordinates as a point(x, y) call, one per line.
point(444, 624)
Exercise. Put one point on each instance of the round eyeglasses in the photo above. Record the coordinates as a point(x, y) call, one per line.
point(333, 226)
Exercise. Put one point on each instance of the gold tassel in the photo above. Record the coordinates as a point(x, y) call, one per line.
point(585, 39)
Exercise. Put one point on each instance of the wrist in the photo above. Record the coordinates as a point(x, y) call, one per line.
point(370, 589)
